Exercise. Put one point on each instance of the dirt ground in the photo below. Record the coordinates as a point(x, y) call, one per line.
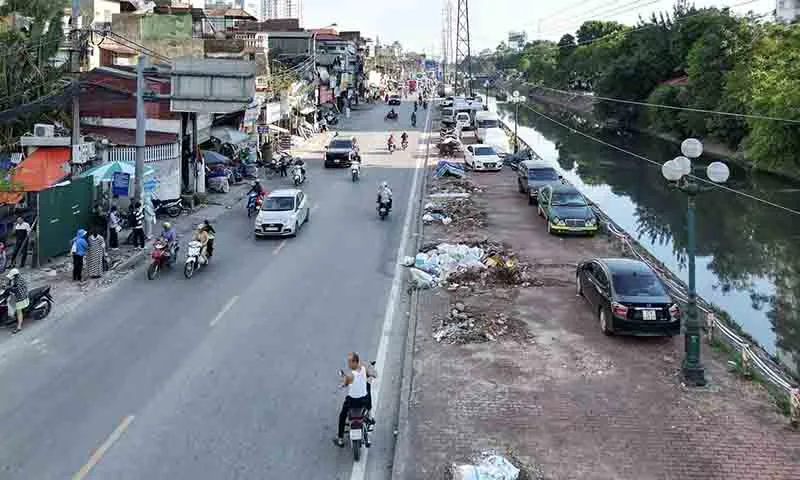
point(546, 385)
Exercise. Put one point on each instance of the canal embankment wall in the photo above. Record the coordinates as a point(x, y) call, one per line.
point(719, 326)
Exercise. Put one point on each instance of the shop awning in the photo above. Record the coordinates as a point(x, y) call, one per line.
point(42, 169)
point(229, 135)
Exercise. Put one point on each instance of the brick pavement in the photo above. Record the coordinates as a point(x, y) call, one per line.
point(573, 402)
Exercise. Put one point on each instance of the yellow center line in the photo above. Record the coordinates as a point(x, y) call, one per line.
point(102, 449)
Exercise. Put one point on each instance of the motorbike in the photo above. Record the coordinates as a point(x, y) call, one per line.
point(254, 201)
point(172, 208)
point(414, 121)
point(390, 116)
point(298, 176)
point(404, 144)
point(383, 210)
point(39, 306)
point(162, 257)
point(331, 118)
point(355, 171)
point(357, 427)
point(193, 259)
point(391, 146)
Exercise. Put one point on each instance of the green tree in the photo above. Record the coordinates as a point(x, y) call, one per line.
point(592, 30)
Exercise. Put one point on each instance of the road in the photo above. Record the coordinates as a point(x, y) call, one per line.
point(231, 374)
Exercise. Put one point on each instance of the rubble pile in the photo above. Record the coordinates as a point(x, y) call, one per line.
point(463, 326)
point(453, 185)
point(461, 211)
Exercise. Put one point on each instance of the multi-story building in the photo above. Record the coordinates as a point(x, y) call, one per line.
point(277, 9)
point(787, 11)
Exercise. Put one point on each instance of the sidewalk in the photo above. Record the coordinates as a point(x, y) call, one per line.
point(69, 295)
point(530, 372)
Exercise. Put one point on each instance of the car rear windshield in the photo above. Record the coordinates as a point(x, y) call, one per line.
point(638, 284)
point(542, 174)
point(488, 123)
point(485, 151)
point(341, 144)
point(447, 112)
point(278, 204)
point(568, 199)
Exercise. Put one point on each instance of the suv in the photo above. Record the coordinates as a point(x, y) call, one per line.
point(339, 153)
point(395, 99)
point(534, 174)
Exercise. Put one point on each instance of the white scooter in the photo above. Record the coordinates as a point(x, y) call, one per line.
point(298, 175)
point(355, 170)
point(194, 260)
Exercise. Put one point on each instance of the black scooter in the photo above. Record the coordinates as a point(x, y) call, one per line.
point(39, 307)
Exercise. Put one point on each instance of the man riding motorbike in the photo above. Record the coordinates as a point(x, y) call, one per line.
point(171, 237)
point(385, 195)
point(413, 119)
point(201, 235)
point(257, 189)
point(359, 393)
point(404, 139)
point(392, 114)
point(390, 142)
point(211, 234)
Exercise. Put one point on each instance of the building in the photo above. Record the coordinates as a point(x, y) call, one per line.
point(278, 9)
point(787, 11)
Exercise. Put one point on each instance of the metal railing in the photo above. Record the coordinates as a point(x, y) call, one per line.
point(152, 153)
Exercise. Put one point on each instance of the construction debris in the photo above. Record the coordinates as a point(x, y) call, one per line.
point(464, 326)
point(492, 467)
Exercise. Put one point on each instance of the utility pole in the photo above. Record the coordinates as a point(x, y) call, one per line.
point(141, 125)
point(75, 69)
point(463, 47)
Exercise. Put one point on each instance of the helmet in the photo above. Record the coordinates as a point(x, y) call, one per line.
point(166, 225)
point(201, 226)
point(384, 184)
point(12, 273)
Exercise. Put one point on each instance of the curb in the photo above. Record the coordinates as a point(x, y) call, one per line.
point(402, 448)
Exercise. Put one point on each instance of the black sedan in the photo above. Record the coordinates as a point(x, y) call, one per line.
point(628, 297)
point(339, 153)
point(395, 100)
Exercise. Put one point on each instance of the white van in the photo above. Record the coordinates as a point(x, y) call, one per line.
point(485, 120)
point(497, 138)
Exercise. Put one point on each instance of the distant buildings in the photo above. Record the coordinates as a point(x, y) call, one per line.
point(278, 9)
point(787, 11)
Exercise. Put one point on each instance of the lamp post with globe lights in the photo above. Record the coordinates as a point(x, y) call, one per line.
point(516, 99)
point(678, 172)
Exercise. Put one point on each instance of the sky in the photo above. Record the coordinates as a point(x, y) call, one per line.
point(417, 24)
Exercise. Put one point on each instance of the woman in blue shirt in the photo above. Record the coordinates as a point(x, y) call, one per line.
point(78, 250)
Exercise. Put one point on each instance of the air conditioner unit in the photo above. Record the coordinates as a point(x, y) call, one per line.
point(44, 130)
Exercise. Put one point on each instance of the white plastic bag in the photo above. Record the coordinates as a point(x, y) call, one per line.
point(493, 467)
point(421, 279)
point(408, 261)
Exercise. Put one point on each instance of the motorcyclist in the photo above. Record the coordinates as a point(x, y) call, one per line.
point(359, 394)
point(298, 162)
point(390, 141)
point(211, 234)
point(201, 235)
point(171, 237)
point(257, 189)
point(385, 195)
point(414, 119)
point(404, 137)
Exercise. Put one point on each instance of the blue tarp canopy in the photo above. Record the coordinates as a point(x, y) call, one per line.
point(449, 168)
point(214, 158)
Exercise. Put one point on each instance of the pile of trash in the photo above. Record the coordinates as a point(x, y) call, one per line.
point(452, 185)
point(463, 326)
point(491, 467)
point(460, 209)
point(453, 265)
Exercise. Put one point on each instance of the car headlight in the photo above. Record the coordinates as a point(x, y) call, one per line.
point(558, 221)
point(591, 222)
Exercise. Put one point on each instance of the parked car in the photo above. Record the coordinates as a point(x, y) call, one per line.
point(482, 158)
point(283, 212)
point(565, 210)
point(463, 121)
point(485, 121)
point(514, 159)
point(628, 297)
point(395, 99)
point(339, 153)
point(497, 138)
point(533, 174)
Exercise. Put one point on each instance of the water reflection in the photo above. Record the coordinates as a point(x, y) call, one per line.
point(748, 253)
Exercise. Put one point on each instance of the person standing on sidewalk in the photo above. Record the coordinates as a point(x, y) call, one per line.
point(138, 225)
point(78, 250)
point(21, 231)
point(113, 228)
point(95, 255)
point(18, 299)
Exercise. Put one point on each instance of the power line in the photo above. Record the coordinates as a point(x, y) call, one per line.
point(604, 11)
point(568, 8)
point(669, 107)
point(654, 163)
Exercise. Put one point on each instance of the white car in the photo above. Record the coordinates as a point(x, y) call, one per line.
point(463, 120)
point(482, 157)
point(497, 138)
point(282, 213)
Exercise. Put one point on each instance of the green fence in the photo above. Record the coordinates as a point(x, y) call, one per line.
point(62, 211)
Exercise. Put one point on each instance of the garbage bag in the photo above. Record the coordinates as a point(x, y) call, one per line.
point(408, 261)
point(493, 467)
point(421, 279)
point(427, 217)
point(420, 260)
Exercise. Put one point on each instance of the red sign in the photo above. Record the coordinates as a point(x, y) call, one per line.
point(325, 95)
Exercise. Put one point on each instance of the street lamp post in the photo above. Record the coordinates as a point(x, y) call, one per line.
point(516, 99)
point(486, 86)
point(678, 171)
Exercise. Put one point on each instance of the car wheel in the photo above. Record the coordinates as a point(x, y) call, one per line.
point(296, 228)
point(605, 327)
point(578, 285)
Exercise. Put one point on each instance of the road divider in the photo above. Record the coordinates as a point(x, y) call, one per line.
point(103, 449)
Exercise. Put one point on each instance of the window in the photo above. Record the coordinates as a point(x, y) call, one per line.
point(638, 284)
point(600, 276)
point(542, 174)
point(490, 123)
point(568, 199)
point(299, 198)
point(278, 204)
point(485, 151)
point(341, 144)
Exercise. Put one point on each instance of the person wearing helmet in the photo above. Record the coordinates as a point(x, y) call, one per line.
point(257, 189)
point(171, 237)
point(385, 195)
point(18, 296)
point(211, 233)
point(201, 235)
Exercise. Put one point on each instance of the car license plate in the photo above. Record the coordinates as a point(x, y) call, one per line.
point(649, 314)
point(271, 229)
point(356, 434)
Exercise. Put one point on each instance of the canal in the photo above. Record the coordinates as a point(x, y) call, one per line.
point(748, 253)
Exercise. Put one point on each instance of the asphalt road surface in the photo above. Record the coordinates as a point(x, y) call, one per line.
point(232, 374)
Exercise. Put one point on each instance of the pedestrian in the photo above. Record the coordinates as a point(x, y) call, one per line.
point(78, 250)
point(3, 257)
point(18, 297)
point(283, 167)
point(21, 231)
point(138, 225)
point(95, 255)
point(114, 228)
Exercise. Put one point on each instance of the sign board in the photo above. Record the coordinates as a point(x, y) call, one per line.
point(430, 64)
point(212, 85)
point(262, 129)
point(120, 184)
point(273, 112)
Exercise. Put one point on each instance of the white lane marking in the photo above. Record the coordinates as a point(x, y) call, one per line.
point(359, 471)
point(279, 247)
point(223, 311)
point(102, 449)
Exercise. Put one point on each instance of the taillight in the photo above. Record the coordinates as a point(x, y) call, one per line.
point(674, 312)
point(619, 310)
